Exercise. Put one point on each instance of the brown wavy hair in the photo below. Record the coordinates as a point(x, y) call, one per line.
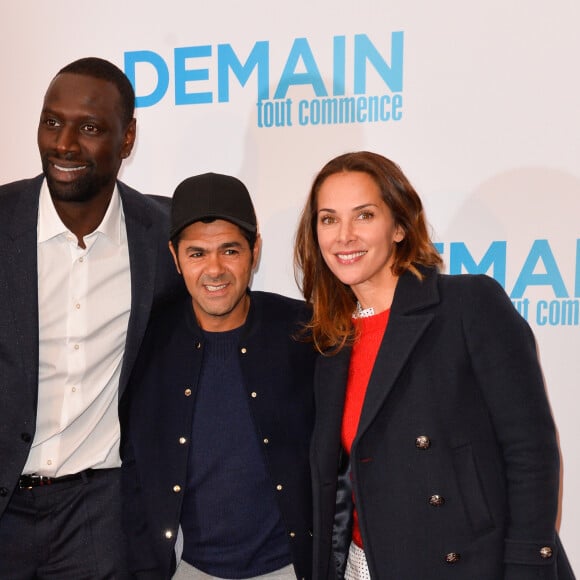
point(332, 301)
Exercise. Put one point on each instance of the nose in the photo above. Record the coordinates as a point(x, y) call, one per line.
point(214, 266)
point(66, 140)
point(346, 232)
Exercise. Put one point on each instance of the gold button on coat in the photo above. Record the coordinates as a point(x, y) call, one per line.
point(279, 487)
point(422, 442)
point(182, 440)
point(187, 392)
point(168, 534)
point(452, 557)
point(546, 552)
point(436, 500)
point(177, 488)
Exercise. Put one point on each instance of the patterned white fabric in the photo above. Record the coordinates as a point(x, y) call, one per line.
point(356, 565)
point(361, 312)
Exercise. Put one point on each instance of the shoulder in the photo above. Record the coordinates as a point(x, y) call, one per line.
point(476, 288)
point(271, 303)
point(134, 200)
point(274, 318)
point(166, 317)
point(16, 188)
point(482, 303)
point(167, 329)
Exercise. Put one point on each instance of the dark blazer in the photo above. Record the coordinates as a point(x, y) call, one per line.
point(153, 279)
point(455, 464)
point(275, 367)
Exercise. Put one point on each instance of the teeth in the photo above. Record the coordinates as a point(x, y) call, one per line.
point(215, 288)
point(350, 256)
point(69, 169)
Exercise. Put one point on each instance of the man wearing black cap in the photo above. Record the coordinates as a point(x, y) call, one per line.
point(216, 456)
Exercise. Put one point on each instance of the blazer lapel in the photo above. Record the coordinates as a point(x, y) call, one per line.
point(143, 250)
point(404, 330)
point(20, 278)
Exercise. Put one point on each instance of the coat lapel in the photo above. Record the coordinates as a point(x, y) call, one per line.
point(330, 384)
point(405, 328)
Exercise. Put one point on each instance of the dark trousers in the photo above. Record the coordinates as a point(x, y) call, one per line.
point(65, 531)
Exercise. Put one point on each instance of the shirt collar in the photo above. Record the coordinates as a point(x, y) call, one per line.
point(50, 224)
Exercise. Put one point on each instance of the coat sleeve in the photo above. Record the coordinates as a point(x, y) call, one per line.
point(504, 358)
point(141, 554)
point(140, 550)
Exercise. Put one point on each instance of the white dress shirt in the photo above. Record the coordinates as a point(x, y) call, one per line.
point(84, 299)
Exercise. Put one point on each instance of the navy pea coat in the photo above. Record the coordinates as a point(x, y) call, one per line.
point(455, 464)
point(278, 373)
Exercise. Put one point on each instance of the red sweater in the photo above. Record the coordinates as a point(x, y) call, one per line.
point(362, 361)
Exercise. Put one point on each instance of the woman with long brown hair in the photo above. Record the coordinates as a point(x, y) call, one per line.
point(434, 454)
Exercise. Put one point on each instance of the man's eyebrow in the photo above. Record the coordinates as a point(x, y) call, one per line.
point(224, 246)
point(192, 248)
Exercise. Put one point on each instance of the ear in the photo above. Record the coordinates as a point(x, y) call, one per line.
point(256, 252)
point(399, 234)
point(175, 258)
point(129, 139)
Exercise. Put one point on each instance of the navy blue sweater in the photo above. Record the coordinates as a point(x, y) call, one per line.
point(230, 520)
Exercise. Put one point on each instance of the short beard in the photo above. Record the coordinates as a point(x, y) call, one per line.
point(80, 191)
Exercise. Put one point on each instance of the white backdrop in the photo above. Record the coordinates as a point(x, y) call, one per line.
point(483, 116)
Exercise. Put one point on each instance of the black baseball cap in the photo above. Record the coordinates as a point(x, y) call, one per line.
point(212, 195)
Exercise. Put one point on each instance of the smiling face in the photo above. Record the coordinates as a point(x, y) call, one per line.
point(357, 235)
point(216, 263)
point(81, 137)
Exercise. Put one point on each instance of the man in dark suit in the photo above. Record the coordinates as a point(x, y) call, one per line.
point(83, 259)
point(215, 459)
